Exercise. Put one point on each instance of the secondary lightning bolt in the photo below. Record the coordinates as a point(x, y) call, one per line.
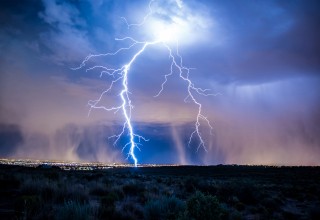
point(121, 74)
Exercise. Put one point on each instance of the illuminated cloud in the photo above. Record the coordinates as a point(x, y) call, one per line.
point(168, 21)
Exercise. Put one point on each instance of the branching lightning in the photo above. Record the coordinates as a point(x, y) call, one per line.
point(120, 75)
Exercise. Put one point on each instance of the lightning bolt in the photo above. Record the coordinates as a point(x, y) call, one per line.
point(120, 75)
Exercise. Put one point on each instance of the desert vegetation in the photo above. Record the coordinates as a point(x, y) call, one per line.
point(188, 192)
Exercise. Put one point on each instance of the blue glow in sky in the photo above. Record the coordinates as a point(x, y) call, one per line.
point(263, 56)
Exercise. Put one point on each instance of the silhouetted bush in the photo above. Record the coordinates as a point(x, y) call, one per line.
point(200, 206)
point(288, 215)
point(31, 207)
point(240, 206)
point(190, 184)
point(272, 204)
point(314, 213)
point(9, 182)
point(245, 191)
point(98, 190)
point(207, 187)
point(74, 192)
point(164, 208)
point(248, 194)
point(129, 208)
point(107, 207)
point(74, 210)
point(133, 188)
point(48, 192)
point(226, 191)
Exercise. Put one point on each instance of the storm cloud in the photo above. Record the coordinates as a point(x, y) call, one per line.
point(262, 57)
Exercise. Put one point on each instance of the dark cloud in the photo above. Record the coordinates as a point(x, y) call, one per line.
point(10, 139)
point(19, 15)
point(265, 41)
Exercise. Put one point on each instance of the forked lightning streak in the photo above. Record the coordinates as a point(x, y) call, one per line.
point(120, 75)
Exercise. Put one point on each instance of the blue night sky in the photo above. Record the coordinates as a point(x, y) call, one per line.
point(263, 57)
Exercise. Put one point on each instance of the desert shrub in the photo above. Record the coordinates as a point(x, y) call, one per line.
point(207, 187)
point(8, 182)
point(119, 191)
point(107, 205)
point(314, 213)
point(98, 189)
point(31, 186)
point(240, 206)
point(52, 174)
point(292, 191)
point(290, 215)
point(168, 181)
point(74, 210)
point(106, 212)
point(248, 193)
point(231, 213)
point(31, 207)
point(153, 188)
point(71, 192)
point(107, 181)
point(93, 176)
point(226, 191)
point(164, 208)
point(159, 180)
point(272, 204)
point(48, 192)
point(111, 198)
point(129, 209)
point(153, 210)
point(200, 206)
point(190, 184)
point(133, 188)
